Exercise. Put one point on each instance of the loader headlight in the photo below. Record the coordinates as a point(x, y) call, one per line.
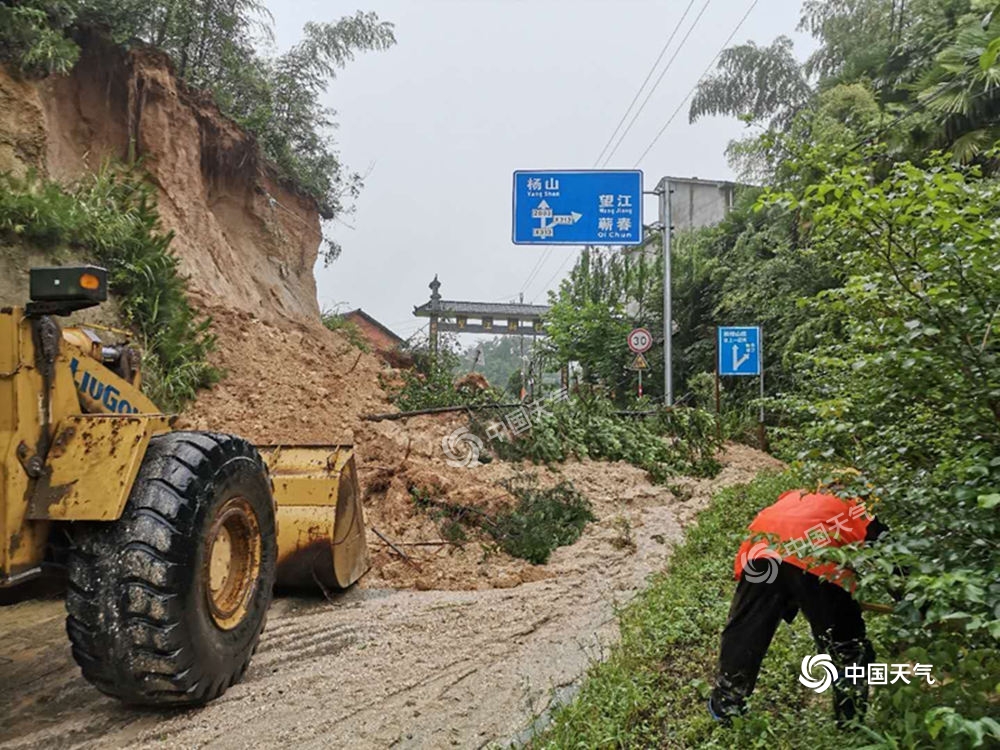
point(82, 286)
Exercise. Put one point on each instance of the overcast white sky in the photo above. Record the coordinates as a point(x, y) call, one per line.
point(475, 89)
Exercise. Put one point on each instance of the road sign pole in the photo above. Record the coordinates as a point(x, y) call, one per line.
point(640, 383)
point(761, 435)
point(668, 323)
point(718, 390)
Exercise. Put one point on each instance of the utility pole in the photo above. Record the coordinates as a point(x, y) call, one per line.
point(663, 191)
point(523, 380)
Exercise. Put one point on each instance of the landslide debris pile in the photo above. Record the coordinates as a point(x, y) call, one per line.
point(298, 382)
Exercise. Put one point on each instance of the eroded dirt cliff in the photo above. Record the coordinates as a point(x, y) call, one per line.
point(243, 237)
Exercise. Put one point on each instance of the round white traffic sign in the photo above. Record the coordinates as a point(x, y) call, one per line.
point(640, 340)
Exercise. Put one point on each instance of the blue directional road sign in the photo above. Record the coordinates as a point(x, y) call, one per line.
point(597, 207)
point(739, 350)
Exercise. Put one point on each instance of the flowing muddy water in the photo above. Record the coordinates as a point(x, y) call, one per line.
point(380, 667)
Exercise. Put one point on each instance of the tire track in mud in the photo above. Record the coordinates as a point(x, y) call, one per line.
point(377, 668)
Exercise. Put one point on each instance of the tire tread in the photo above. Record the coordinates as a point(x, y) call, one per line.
point(124, 614)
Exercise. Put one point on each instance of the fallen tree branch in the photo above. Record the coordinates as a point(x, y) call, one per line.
point(409, 560)
point(436, 410)
point(882, 609)
point(456, 510)
point(360, 354)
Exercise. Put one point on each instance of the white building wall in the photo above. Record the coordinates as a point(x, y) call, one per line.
point(698, 203)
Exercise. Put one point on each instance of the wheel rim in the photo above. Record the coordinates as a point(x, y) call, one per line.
point(232, 566)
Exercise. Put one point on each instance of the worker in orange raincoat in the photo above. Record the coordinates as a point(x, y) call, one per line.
point(774, 583)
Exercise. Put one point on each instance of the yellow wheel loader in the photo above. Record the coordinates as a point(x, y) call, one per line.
point(172, 541)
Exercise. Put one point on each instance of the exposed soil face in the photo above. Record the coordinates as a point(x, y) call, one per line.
point(378, 666)
point(241, 235)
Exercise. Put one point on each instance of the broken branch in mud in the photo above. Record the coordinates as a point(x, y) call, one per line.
point(360, 354)
point(409, 560)
point(458, 511)
point(479, 407)
point(436, 410)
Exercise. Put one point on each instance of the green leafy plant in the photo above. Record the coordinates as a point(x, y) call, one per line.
point(220, 47)
point(334, 321)
point(666, 442)
point(431, 382)
point(652, 689)
point(909, 392)
point(541, 521)
point(110, 217)
point(33, 37)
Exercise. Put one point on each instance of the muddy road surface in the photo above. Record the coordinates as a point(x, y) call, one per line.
point(381, 667)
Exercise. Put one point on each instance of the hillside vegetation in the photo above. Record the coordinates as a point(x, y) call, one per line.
point(871, 257)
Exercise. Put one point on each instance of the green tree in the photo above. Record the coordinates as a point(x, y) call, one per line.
point(909, 392)
point(923, 61)
point(962, 91)
point(498, 359)
point(32, 36)
point(588, 322)
point(754, 83)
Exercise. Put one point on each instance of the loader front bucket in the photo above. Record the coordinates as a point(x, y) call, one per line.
point(321, 526)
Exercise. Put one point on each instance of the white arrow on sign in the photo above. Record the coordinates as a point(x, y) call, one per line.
point(544, 211)
point(737, 360)
point(564, 219)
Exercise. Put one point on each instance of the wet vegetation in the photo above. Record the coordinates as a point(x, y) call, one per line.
point(110, 218)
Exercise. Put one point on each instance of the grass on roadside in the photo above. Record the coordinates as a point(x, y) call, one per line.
point(652, 690)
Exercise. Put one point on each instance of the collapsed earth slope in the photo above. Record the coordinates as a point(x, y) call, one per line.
point(244, 238)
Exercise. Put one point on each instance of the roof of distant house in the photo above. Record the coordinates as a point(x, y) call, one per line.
point(369, 319)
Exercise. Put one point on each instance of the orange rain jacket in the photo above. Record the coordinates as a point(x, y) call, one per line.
point(798, 518)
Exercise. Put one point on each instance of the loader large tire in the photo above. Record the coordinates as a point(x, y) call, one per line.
point(165, 606)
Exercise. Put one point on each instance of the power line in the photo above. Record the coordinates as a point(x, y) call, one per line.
point(702, 76)
point(551, 278)
point(683, 101)
point(663, 73)
point(911, 110)
point(543, 257)
point(711, 64)
point(649, 75)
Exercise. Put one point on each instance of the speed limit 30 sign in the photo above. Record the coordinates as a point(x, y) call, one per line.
point(640, 340)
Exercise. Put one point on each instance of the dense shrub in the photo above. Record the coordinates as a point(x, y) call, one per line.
point(652, 689)
point(110, 217)
point(909, 392)
point(664, 442)
point(541, 521)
